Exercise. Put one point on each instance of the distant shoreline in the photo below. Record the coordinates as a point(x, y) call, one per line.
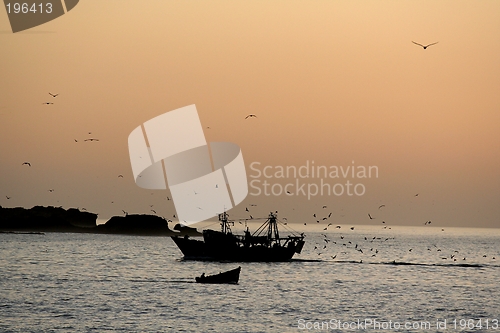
point(39, 219)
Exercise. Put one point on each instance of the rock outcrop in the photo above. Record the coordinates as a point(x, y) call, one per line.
point(137, 224)
point(48, 218)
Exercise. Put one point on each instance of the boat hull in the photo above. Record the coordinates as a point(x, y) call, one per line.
point(230, 277)
point(212, 250)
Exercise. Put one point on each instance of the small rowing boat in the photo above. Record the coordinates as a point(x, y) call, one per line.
point(231, 276)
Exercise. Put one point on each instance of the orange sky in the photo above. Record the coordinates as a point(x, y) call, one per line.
point(330, 81)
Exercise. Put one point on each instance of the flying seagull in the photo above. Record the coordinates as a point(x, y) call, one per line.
point(54, 95)
point(250, 116)
point(27, 163)
point(371, 218)
point(91, 140)
point(424, 46)
point(47, 103)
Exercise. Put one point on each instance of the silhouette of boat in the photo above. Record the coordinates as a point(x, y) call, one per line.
point(231, 277)
point(264, 245)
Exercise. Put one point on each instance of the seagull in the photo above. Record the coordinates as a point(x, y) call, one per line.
point(47, 103)
point(250, 116)
point(120, 176)
point(371, 218)
point(153, 211)
point(27, 163)
point(51, 190)
point(54, 95)
point(91, 139)
point(7, 197)
point(381, 206)
point(424, 46)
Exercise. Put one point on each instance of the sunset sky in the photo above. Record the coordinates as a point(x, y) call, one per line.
point(330, 81)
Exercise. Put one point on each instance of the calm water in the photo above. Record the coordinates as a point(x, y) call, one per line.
point(106, 283)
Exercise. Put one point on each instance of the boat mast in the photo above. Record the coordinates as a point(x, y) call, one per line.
point(272, 230)
point(224, 224)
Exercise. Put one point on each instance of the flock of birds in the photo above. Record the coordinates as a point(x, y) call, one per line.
point(247, 117)
point(344, 246)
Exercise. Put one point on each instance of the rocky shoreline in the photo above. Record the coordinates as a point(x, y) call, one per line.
point(39, 219)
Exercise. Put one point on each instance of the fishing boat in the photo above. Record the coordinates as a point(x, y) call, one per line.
point(264, 245)
point(231, 277)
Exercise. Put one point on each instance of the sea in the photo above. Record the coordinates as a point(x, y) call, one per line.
point(368, 279)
